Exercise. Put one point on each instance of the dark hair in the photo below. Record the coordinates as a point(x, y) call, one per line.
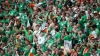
point(57, 29)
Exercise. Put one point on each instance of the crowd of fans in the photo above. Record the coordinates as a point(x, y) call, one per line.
point(49, 28)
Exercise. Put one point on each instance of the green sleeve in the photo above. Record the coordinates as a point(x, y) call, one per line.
point(30, 38)
point(26, 33)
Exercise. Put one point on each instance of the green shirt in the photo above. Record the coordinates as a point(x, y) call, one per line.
point(62, 25)
point(5, 21)
point(44, 48)
point(26, 33)
point(60, 6)
point(50, 41)
point(13, 12)
point(67, 37)
point(59, 18)
point(98, 9)
point(30, 38)
point(57, 35)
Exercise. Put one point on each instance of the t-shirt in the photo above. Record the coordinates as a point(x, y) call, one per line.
point(52, 32)
point(67, 37)
point(41, 39)
point(95, 34)
point(5, 21)
point(60, 6)
point(30, 37)
point(57, 35)
point(44, 48)
point(50, 41)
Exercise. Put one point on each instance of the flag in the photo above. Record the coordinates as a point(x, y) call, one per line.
point(39, 4)
point(32, 5)
point(85, 50)
point(36, 5)
point(45, 30)
point(31, 54)
point(43, 25)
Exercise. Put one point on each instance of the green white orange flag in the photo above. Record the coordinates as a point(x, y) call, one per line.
point(31, 54)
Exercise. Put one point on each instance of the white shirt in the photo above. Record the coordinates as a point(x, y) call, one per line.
point(52, 32)
point(41, 39)
point(94, 34)
point(68, 45)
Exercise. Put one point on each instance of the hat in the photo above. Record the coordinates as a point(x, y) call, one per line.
point(18, 36)
point(95, 12)
point(91, 36)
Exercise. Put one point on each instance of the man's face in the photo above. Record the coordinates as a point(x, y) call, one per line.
point(38, 52)
point(88, 45)
point(37, 27)
point(29, 46)
point(71, 23)
point(26, 42)
point(67, 15)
